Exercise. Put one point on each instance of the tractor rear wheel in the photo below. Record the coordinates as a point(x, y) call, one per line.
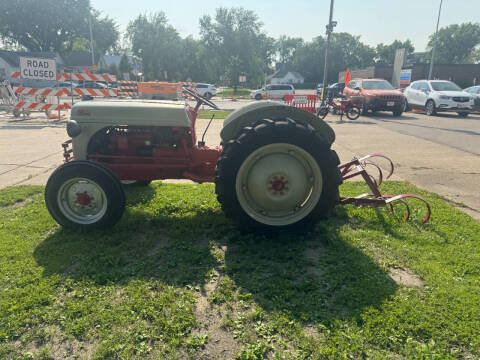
point(83, 194)
point(277, 174)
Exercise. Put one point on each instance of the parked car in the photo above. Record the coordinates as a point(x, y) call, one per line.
point(63, 85)
point(276, 91)
point(205, 90)
point(438, 96)
point(92, 85)
point(475, 92)
point(335, 90)
point(377, 94)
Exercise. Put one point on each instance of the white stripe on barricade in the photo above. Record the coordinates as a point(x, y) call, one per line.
point(42, 106)
point(88, 77)
point(37, 91)
point(92, 92)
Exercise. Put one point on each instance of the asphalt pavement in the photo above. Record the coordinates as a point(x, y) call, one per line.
point(438, 153)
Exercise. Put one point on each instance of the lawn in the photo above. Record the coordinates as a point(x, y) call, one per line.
point(240, 94)
point(175, 279)
point(219, 114)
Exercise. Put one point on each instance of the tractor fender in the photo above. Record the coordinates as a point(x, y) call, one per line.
point(251, 113)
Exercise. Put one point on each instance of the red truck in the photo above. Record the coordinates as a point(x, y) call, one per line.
point(378, 95)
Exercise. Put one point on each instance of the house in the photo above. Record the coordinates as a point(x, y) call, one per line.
point(77, 61)
point(285, 76)
point(106, 61)
point(10, 62)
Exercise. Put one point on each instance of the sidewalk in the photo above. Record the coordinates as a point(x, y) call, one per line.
point(452, 173)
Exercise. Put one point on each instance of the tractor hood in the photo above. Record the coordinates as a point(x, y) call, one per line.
point(259, 110)
point(147, 113)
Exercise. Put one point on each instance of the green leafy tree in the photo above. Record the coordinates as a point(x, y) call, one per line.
point(124, 66)
point(456, 43)
point(196, 61)
point(385, 54)
point(237, 45)
point(346, 51)
point(65, 25)
point(286, 47)
point(309, 60)
point(157, 44)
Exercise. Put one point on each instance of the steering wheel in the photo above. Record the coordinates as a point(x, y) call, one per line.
point(200, 98)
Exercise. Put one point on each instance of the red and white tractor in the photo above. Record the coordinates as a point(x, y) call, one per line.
point(274, 167)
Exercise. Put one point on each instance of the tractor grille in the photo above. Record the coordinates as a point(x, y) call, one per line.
point(460, 99)
point(391, 97)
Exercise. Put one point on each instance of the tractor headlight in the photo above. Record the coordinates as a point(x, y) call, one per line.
point(73, 128)
point(444, 97)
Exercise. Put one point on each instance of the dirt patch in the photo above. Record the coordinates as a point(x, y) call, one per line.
point(56, 346)
point(313, 253)
point(221, 344)
point(161, 242)
point(405, 277)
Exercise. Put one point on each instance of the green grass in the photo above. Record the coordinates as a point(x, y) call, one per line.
point(175, 279)
point(240, 94)
point(219, 114)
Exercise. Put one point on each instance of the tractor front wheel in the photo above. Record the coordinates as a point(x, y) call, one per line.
point(83, 194)
point(277, 174)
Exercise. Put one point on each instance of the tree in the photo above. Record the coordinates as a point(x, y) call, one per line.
point(28, 24)
point(286, 47)
point(386, 53)
point(346, 51)
point(237, 45)
point(456, 43)
point(157, 44)
point(124, 66)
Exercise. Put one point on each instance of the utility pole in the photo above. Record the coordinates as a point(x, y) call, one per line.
point(330, 26)
point(91, 34)
point(434, 42)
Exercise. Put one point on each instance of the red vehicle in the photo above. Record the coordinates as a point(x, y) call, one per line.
point(275, 167)
point(351, 108)
point(378, 95)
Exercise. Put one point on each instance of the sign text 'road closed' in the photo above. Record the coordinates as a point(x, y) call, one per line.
point(39, 69)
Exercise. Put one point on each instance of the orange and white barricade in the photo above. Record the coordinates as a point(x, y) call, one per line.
point(87, 77)
point(39, 106)
point(304, 102)
point(127, 88)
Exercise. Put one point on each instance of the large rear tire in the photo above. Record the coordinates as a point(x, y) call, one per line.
point(83, 194)
point(277, 174)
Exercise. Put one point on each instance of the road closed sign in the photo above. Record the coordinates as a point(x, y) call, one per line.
point(38, 69)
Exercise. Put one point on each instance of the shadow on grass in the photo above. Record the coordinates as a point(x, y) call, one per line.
point(312, 277)
point(318, 277)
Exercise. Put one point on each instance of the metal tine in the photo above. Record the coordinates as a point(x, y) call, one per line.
point(391, 198)
point(381, 156)
point(392, 211)
point(380, 174)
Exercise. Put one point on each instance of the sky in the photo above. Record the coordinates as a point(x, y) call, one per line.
point(375, 21)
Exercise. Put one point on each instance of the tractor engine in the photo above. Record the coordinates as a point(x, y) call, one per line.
point(139, 141)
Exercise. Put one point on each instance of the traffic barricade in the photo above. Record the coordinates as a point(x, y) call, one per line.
point(304, 102)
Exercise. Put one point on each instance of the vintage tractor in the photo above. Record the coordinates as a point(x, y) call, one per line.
point(273, 169)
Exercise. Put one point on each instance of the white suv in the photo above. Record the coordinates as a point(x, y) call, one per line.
point(276, 91)
point(205, 90)
point(438, 96)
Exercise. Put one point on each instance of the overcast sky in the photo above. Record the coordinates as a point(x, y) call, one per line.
point(374, 20)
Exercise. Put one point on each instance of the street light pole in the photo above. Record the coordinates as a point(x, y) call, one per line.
point(91, 34)
point(434, 42)
point(330, 26)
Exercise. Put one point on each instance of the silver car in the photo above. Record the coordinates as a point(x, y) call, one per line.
point(438, 96)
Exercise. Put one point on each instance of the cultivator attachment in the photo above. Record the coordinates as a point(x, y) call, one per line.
point(357, 167)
